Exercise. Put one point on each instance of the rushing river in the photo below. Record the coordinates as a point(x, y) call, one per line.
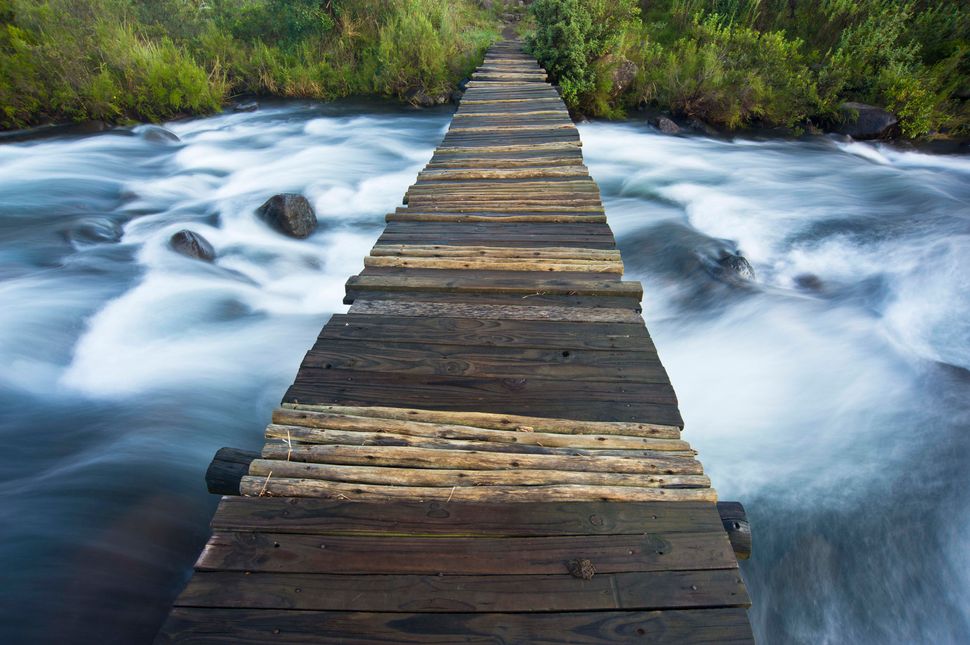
point(829, 393)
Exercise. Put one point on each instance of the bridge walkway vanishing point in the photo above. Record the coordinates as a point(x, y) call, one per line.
point(486, 447)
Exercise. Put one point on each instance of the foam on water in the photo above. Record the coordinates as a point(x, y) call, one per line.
point(828, 394)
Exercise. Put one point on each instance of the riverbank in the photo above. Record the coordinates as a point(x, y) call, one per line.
point(876, 68)
point(124, 61)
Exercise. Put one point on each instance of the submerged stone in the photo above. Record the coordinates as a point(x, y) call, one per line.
point(861, 121)
point(191, 244)
point(667, 126)
point(289, 213)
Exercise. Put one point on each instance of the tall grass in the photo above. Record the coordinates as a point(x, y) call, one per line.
point(774, 62)
point(154, 59)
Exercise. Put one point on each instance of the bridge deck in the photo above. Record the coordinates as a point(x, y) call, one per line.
point(486, 447)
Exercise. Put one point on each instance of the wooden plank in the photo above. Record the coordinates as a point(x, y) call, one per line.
point(335, 554)
point(458, 282)
point(498, 421)
point(444, 478)
point(444, 251)
point(364, 306)
point(410, 457)
point(325, 517)
point(598, 401)
point(259, 626)
point(301, 436)
point(460, 594)
point(491, 362)
point(473, 263)
point(514, 302)
point(560, 436)
point(517, 494)
point(491, 217)
point(479, 332)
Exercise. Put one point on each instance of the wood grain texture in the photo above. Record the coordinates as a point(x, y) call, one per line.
point(459, 594)
point(296, 553)
point(487, 519)
point(259, 626)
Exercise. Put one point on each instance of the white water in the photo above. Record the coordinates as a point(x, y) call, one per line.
point(834, 406)
point(837, 411)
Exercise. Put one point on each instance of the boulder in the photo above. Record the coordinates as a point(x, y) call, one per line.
point(861, 121)
point(809, 282)
point(624, 72)
point(158, 134)
point(193, 245)
point(735, 266)
point(289, 213)
point(245, 106)
point(417, 97)
point(667, 126)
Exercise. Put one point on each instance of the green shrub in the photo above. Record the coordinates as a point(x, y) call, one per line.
point(155, 59)
point(572, 35)
point(777, 62)
point(730, 75)
point(411, 52)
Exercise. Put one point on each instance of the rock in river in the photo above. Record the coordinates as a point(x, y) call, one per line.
point(861, 121)
point(735, 266)
point(193, 245)
point(289, 213)
point(245, 106)
point(667, 126)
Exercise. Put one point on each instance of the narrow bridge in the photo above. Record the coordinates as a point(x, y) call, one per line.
point(486, 447)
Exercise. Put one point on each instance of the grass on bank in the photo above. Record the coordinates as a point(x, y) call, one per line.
point(769, 62)
point(118, 60)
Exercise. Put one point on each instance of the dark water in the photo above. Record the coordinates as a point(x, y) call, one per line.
point(829, 394)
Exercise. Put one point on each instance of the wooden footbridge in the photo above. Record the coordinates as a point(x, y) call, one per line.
point(485, 448)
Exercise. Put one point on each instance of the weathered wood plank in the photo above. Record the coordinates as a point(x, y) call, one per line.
point(458, 594)
point(516, 494)
point(459, 282)
point(492, 362)
point(259, 626)
point(494, 312)
point(498, 421)
point(411, 457)
point(563, 436)
point(444, 251)
point(444, 478)
point(598, 401)
point(296, 553)
point(294, 436)
point(480, 332)
point(341, 517)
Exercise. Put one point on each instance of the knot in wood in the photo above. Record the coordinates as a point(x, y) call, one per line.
point(581, 568)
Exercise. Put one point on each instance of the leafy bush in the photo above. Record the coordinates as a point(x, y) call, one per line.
point(571, 35)
point(777, 62)
point(155, 59)
point(730, 75)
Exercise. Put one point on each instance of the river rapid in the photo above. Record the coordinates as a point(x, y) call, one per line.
point(830, 393)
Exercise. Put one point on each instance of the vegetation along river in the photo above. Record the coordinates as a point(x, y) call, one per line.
point(826, 387)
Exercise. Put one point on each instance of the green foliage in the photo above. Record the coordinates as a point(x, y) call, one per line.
point(730, 75)
point(419, 47)
point(572, 35)
point(157, 59)
point(775, 62)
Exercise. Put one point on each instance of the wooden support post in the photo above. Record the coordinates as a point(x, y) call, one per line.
point(735, 522)
point(227, 469)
